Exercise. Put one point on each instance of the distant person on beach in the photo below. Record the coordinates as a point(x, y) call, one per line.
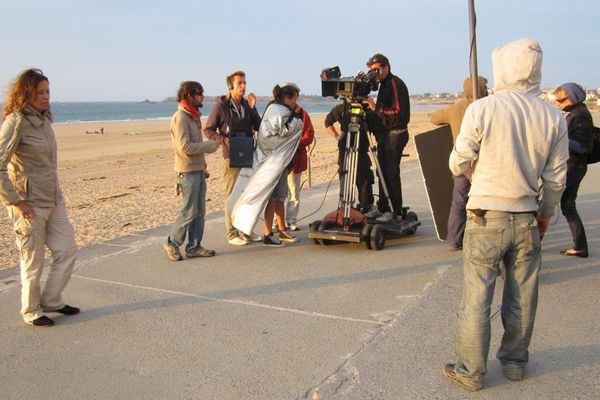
point(190, 165)
point(299, 165)
point(388, 120)
point(453, 115)
point(513, 140)
point(30, 189)
point(262, 189)
point(233, 113)
point(570, 98)
point(364, 175)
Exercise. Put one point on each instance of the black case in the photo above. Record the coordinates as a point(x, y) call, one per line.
point(241, 150)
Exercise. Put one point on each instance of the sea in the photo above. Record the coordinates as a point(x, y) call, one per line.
point(78, 112)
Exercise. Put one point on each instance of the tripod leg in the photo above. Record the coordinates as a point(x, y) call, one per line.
point(350, 165)
point(374, 160)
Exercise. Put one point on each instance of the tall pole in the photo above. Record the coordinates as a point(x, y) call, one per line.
point(473, 49)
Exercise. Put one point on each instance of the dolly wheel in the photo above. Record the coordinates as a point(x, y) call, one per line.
point(314, 227)
point(377, 238)
point(322, 227)
point(366, 235)
point(411, 216)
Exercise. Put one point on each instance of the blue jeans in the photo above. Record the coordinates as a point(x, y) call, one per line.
point(511, 238)
point(191, 218)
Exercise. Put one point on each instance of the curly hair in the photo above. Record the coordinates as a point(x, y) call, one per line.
point(22, 90)
point(189, 88)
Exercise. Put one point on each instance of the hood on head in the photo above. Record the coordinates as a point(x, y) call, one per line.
point(573, 91)
point(481, 87)
point(518, 66)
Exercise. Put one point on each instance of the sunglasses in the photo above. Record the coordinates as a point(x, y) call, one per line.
point(562, 100)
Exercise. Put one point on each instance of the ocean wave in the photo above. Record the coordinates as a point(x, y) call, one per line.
point(111, 120)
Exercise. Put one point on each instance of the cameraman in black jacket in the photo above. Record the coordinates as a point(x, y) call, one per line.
point(388, 120)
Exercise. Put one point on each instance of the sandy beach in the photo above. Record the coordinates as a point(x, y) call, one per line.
point(123, 181)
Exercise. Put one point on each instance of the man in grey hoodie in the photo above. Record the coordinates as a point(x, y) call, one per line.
point(512, 140)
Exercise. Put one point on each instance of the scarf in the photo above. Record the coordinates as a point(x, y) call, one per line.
point(192, 110)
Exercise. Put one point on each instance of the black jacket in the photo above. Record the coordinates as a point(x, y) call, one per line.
point(340, 114)
point(392, 110)
point(580, 126)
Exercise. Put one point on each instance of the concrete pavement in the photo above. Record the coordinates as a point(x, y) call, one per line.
point(299, 322)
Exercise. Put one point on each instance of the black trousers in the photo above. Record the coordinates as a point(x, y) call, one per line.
point(575, 174)
point(389, 153)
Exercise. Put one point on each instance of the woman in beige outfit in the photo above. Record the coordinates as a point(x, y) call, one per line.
point(30, 189)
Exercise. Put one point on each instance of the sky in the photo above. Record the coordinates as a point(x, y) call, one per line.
point(131, 50)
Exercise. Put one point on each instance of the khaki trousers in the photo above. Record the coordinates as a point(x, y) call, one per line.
point(293, 204)
point(231, 175)
point(50, 227)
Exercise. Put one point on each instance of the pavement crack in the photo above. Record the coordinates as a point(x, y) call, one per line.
point(347, 376)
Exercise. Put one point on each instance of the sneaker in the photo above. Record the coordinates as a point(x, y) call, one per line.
point(513, 373)
point(66, 310)
point(199, 252)
point(293, 227)
point(42, 321)
point(253, 237)
point(270, 240)
point(373, 213)
point(385, 217)
point(449, 373)
point(238, 241)
point(286, 236)
point(172, 251)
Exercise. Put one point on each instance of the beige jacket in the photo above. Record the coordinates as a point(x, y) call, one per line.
point(28, 159)
point(186, 138)
point(454, 113)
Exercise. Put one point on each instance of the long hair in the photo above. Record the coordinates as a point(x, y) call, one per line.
point(22, 89)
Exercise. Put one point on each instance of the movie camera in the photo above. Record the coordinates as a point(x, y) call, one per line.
point(352, 88)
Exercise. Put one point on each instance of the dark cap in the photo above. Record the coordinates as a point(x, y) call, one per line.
point(378, 58)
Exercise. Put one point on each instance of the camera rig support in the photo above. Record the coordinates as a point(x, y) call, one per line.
point(347, 223)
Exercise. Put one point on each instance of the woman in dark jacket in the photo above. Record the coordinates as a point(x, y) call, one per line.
point(570, 97)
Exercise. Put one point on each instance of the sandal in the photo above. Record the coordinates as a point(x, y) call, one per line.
point(575, 253)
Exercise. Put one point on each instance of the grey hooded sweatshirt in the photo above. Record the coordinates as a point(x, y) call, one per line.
point(514, 139)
